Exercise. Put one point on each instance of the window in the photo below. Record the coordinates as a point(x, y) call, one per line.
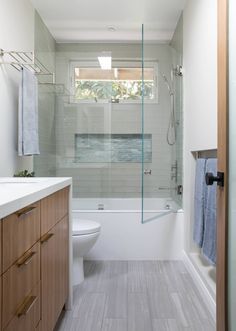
point(120, 84)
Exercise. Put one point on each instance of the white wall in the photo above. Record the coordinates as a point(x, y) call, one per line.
point(177, 40)
point(200, 64)
point(200, 94)
point(16, 33)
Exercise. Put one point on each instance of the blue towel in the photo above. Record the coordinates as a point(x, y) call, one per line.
point(209, 238)
point(28, 140)
point(199, 197)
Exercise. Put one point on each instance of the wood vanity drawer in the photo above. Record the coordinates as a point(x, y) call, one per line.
point(27, 315)
point(19, 280)
point(53, 209)
point(20, 231)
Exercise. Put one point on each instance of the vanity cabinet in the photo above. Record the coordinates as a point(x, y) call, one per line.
point(54, 256)
point(35, 264)
point(53, 209)
point(54, 270)
point(18, 281)
point(20, 231)
point(28, 315)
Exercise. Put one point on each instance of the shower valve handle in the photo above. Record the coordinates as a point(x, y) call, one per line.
point(210, 178)
point(147, 171)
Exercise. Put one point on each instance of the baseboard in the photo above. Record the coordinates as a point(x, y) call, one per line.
point(209, 300)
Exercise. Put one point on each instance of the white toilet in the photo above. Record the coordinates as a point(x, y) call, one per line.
point(85, 233)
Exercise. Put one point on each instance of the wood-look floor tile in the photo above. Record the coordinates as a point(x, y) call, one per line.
point(136, 296)
point(97, 278)
point(191, 291)
point(136, 277)
point(154, 281)
point(116, 304)
point(115, 325)
point(165, 325)
point(161, 305)
point(179, 311)
point(139, 318)
point(172, 277)
point(90, 312)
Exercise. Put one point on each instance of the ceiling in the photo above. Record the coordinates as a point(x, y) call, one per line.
point(89, 20)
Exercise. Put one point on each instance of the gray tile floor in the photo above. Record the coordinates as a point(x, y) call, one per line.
point(137, 296)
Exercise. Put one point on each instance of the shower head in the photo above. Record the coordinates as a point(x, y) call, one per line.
point(171, 92)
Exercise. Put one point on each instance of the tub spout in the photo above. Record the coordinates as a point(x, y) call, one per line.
point(100, 206)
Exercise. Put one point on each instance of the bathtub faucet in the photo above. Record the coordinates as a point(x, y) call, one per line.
point(100, 206)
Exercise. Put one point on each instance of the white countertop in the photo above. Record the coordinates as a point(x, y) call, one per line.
point(19, 192)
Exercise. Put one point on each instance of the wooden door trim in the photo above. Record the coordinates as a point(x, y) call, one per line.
point(222, 203)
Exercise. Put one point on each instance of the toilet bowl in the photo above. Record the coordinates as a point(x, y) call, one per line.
point(84, 235)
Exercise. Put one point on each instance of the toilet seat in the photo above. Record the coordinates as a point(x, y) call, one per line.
point(81, 227)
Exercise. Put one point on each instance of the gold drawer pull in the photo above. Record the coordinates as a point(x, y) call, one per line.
point(26, 211)
point(25, 259)
point(46, 237)
point(26, 306)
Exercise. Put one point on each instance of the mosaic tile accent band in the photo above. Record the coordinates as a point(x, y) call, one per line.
point(115, 148)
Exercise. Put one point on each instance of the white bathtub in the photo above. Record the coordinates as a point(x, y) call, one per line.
point(124, 237)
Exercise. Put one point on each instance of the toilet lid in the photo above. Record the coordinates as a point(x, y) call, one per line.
point(85, 227)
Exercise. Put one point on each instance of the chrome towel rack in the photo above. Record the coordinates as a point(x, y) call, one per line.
point(205, 154)
point(28, 60)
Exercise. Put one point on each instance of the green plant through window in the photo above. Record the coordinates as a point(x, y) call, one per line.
point(117, 84)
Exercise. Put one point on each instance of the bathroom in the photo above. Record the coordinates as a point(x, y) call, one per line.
point(132, 108)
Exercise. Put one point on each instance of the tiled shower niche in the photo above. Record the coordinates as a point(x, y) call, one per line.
point(114, 148)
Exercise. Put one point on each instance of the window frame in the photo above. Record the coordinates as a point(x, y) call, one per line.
point(128, 63)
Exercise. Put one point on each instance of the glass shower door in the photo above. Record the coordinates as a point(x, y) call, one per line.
point(161, 130)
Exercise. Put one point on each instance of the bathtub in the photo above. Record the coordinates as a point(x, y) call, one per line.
point(124, 236)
